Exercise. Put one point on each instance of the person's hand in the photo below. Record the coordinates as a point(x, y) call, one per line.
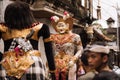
point(53, 76)
point(74, 59)
point(71, 63)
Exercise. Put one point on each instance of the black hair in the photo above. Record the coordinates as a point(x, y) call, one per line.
point(18, 15)
point(84, 58)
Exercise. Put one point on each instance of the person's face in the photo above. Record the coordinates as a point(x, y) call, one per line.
point(62, 27)
point(95, 60)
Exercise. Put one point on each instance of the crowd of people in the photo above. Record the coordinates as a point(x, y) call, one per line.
point(66, 57)
point(97, 57)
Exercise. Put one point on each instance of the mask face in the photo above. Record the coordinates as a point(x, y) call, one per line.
point(62, 27)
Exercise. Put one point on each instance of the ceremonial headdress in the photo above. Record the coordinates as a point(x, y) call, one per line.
point(66, 18)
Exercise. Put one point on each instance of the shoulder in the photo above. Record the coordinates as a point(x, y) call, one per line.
point(76, 37)
point(44, 27)
point(40, 27)
point(87, 76)
point(108, 74)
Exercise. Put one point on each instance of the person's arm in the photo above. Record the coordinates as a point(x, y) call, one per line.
point(45, 33)
point(48, 47)
point(79, 46)
point(1, 55)
point(79, 50)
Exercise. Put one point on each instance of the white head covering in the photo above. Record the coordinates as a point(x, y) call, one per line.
point(98, 49)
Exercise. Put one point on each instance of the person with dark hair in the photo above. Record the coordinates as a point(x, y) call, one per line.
point(98, 56)
point(87, 73)
point(20, 33)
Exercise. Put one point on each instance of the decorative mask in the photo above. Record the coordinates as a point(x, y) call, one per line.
point(63, 24)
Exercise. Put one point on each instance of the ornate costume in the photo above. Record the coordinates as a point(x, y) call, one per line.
point(36, 69)
point(67, 47)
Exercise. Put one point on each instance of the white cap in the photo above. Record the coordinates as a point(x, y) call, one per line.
point(98, 49)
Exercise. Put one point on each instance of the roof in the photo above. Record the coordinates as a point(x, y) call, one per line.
point(110, 20)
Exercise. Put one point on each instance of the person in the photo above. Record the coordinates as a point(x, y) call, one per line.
point(98, 56)
point(106, 75)
point(85, 72)
point(20, 33)
point(67, 47)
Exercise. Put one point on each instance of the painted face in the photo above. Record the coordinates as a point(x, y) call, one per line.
point(95, 60)
point(62, 27)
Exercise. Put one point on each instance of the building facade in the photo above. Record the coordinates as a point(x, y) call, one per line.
point(81, 10)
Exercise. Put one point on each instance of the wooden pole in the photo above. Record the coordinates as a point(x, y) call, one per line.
point(99, 10)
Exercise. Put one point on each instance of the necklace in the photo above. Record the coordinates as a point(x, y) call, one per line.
point(61, 39)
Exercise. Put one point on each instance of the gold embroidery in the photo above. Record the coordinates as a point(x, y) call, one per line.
point(47, 39)
point(9, 34)
point(61, 39)
point(21, 63)
point(62, 60)
point(34, 53)
point(3, 28)
point(36, 29)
